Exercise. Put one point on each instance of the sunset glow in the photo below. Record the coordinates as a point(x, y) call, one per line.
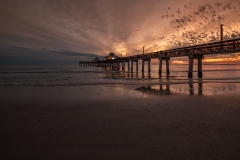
point(230, 60)
point(237, 59)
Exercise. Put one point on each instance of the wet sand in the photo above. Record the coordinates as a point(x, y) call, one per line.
point(118, 122)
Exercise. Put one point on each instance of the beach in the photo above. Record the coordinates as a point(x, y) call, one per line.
point(71, 112)
point(118, 122)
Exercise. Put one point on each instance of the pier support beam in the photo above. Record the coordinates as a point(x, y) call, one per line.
point(137, 66)
point(118, 65)
point(191, 58)
point(142, 65)
point(199, 67)
point(149, 69)
point(112, 65)
point(132, 61)
point(123, 66)
point(167, 65)
point(160, 66)
point(190, 71)
point(143, 60)
point(131, 65)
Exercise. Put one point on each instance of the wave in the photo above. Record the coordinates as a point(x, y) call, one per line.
point(70, 81)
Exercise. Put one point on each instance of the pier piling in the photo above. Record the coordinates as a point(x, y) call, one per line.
point(191, 58)
point(160, 66)
point(149, 69)
point(190, 71)
point(142, 65)
point(167, 65)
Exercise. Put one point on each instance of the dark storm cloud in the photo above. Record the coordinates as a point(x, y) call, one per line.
point(21, 55)
point(83, 25)
point(75, 54)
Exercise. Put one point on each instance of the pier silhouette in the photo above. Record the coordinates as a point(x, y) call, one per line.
point(192, 52)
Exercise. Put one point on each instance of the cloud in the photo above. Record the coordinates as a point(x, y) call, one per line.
point(96, 27)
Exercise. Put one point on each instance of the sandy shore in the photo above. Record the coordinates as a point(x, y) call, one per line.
point(117, 122)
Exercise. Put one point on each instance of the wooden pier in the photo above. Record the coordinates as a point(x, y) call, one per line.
point(192, 52)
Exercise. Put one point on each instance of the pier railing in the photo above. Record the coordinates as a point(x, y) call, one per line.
point(228, 46)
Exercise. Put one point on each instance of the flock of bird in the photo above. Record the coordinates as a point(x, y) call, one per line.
point(201, 25)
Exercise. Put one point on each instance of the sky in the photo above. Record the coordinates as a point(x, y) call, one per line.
point(68, 31)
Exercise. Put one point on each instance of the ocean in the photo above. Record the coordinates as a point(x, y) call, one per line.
point(216, 78)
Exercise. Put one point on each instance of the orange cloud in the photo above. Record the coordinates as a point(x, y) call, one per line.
point(236, 59)
point(179, 62)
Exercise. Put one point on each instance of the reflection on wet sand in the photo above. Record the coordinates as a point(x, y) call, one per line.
point(132, 75)
point(165, 89)
point(191, 88)
point(156, 90)
point(146, 76)
point(125, 74)
point(173, 85)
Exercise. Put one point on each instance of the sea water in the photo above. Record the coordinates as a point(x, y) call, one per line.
point(73, 75)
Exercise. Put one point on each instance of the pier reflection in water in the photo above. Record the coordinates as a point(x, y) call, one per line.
point(146, 75)
point(177, 84)
point(131, 75)
point(194, 88)
point(191, 87)
point(156, 90)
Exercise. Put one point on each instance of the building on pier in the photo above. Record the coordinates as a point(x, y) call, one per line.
point(111, 56)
